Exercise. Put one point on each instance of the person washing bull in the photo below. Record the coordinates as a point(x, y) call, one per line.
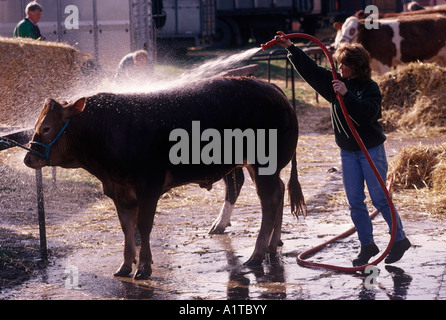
point(362, 98)
point(27, 28)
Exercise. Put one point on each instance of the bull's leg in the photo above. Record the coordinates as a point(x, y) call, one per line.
point(277, 232)
point(270, 190)
point(148, 192)
point(147, 201)
point(127, 218)
point(234, 182)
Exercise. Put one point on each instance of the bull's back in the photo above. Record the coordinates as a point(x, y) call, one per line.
point(138, 124)
point(230, 102)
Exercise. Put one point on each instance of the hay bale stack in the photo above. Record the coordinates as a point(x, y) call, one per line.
point(421, 166)
point(439, 174)
point(30, 72)
point(414, 98)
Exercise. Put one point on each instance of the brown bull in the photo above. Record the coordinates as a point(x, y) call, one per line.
point(127, 142)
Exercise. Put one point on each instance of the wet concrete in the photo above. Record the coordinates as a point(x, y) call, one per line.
point(86, 245)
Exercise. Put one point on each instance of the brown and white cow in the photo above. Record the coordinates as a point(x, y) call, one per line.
point(399, 39)
point(416, 6)
point(126, 141)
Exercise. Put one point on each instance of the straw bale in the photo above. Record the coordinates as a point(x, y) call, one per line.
point(414, 98)
point(421, 166)
point(30, 72)
point(439, 174)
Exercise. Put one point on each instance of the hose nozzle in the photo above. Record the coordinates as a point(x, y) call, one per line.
point(269, 44)
point(274, 41)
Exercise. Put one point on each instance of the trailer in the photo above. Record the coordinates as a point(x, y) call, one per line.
point(237, 21)
point(110, 29)
point(189, 23)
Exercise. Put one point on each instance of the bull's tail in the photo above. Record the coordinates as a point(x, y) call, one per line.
point(297, 200)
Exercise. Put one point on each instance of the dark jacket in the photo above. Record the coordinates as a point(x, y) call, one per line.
point(363, 102)
point(27, 29)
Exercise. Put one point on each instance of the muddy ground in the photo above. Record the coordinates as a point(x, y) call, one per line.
point(85, 241)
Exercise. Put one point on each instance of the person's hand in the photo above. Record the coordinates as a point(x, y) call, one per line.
point(339, 86)
point(286, 43)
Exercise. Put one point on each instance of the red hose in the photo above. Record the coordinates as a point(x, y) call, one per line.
point(300, 258)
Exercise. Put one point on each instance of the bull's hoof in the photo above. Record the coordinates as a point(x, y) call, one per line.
point(253, 262)
point(273, 258)
point(142, 274)
point(218, 228)
point(123, 272)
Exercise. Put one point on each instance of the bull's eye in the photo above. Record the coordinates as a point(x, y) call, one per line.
point(45, 130)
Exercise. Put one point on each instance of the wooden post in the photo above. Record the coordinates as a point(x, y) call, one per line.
point(41, 215)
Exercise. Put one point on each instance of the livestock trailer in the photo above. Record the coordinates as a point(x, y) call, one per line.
point(109, 29)
point(239, 20)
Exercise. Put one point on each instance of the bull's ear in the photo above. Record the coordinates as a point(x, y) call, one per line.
point(337, 25)
point(79, 105)
point(52, 104)
point(74, 108)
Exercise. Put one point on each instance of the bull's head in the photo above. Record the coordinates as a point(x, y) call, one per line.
point(49, 144)
point(347, 31)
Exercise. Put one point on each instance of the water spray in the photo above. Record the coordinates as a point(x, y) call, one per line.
point(301, 257)
point(213, 68)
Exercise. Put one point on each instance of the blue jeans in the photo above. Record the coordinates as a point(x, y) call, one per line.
point(356, 170)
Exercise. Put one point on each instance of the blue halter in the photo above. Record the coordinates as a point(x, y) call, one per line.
point(46, 154)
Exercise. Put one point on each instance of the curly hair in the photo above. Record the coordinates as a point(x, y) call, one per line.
point(356, 57)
